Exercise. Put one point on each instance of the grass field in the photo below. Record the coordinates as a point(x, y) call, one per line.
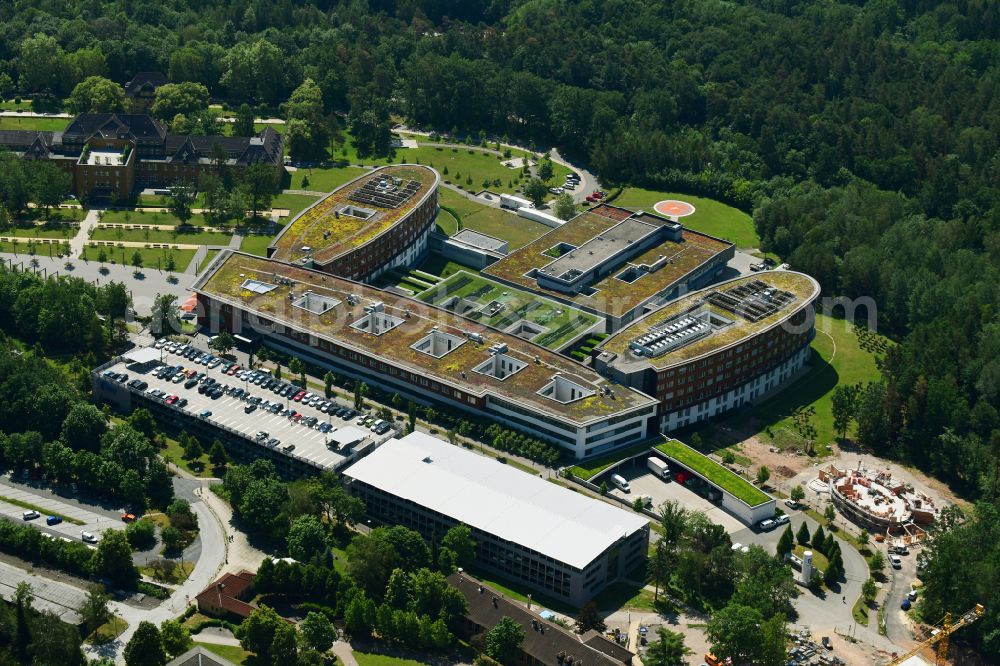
point(295, 203)
point(710, 217)
point(209, 255)
point(323, 180)
point(146, 217)
point(41, 124)
point(594, 466)
point(41, 231)
point(838, 359)
point(515, 591)
point(152, 259)
point(561, 323)
point(108, 631)
point(175, 454)
point(365, 659)
point(438, 265)
point(233, 653)
point(713, 472)
point(819, 559)
point(517, 231)
point(161, 236)
point(255, 244)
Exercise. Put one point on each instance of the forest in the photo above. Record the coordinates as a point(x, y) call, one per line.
point(864, 137)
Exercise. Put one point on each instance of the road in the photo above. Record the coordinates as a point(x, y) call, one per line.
point(95, 518)
point(206, 569)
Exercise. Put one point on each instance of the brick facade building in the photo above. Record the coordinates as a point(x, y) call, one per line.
point(112, 155)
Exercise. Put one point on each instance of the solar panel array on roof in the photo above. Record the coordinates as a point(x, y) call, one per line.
point(752, 300)
point(672, 334)
point(385, 192)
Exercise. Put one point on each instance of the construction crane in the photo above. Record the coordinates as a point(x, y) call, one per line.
point(941, 636)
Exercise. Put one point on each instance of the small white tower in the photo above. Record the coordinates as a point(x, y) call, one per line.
point(807, 567)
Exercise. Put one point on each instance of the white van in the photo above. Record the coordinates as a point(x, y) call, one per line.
point(620, 483)
point(29, 515)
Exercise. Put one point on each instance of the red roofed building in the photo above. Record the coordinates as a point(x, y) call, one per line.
point(227, 595)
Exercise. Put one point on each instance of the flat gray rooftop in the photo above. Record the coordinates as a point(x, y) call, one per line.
point(496, 498)
point(600, 248)
point(480, 240)
point(310, 444)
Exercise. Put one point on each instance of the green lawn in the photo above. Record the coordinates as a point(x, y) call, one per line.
point(837, 359)
point(515, 591)
point(161, 236)
point(145, 217)
point(25, 248)
point(233, 653)
point(209, 256)
point(41, 124)
point(11, 105)
point(365, 659)
point(620, 596)
point(594, 466)
point(561, 322)
point(255, 244)
point(517, 231)
point(323, 180)
point(819, 559)
point(152, 259)
point(53, 215)
point(435, 264)
point(447, 222)
point(295, 203)
point(41, 231)
point(173, 452)
point(710, 217)
point(713, 472)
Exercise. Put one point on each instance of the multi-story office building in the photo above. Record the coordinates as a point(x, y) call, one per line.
point(376, 222)
point(716, 349)
point(550, 539)
point(428, 354)
point(616, 263)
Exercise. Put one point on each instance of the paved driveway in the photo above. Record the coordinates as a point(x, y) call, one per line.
point(644, 482)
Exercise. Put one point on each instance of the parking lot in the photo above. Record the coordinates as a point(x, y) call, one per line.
point(95, 520)
point(277, 422)
point(59, 598)
point(644, 482)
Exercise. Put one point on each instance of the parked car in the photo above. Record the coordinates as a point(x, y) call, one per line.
point(768, 525)
point(128, 517)
point(782, 519)
point(895, 562)
point(88, 537)
point(53, 520)
point(29, 515)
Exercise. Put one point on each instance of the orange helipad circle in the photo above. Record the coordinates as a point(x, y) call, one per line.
point(674, 208)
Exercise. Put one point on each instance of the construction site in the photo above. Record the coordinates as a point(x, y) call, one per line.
point(879, 502)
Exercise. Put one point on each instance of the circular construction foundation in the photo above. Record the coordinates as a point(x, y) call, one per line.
point(674, 208)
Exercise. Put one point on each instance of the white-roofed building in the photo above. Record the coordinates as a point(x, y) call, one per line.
point(561, 543)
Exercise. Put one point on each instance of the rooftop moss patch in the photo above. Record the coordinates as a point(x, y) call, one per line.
point(610, 294)
point(397, 346)
point(329, 234)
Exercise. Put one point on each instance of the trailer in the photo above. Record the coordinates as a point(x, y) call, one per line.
point(513, 203)
point(658, 467)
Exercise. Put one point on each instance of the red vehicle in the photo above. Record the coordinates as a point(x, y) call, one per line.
point(680, 477)
point(233, 370)
point(171, 399)
point(591, 198)
point(298, 396)
point(128, 517)
point(297, 417)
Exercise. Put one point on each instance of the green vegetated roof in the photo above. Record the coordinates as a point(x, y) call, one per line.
point(558, 323)
point(803, 287)
point(226, 281)
point(704, 466)
point(329, 236)
point(613, 296)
